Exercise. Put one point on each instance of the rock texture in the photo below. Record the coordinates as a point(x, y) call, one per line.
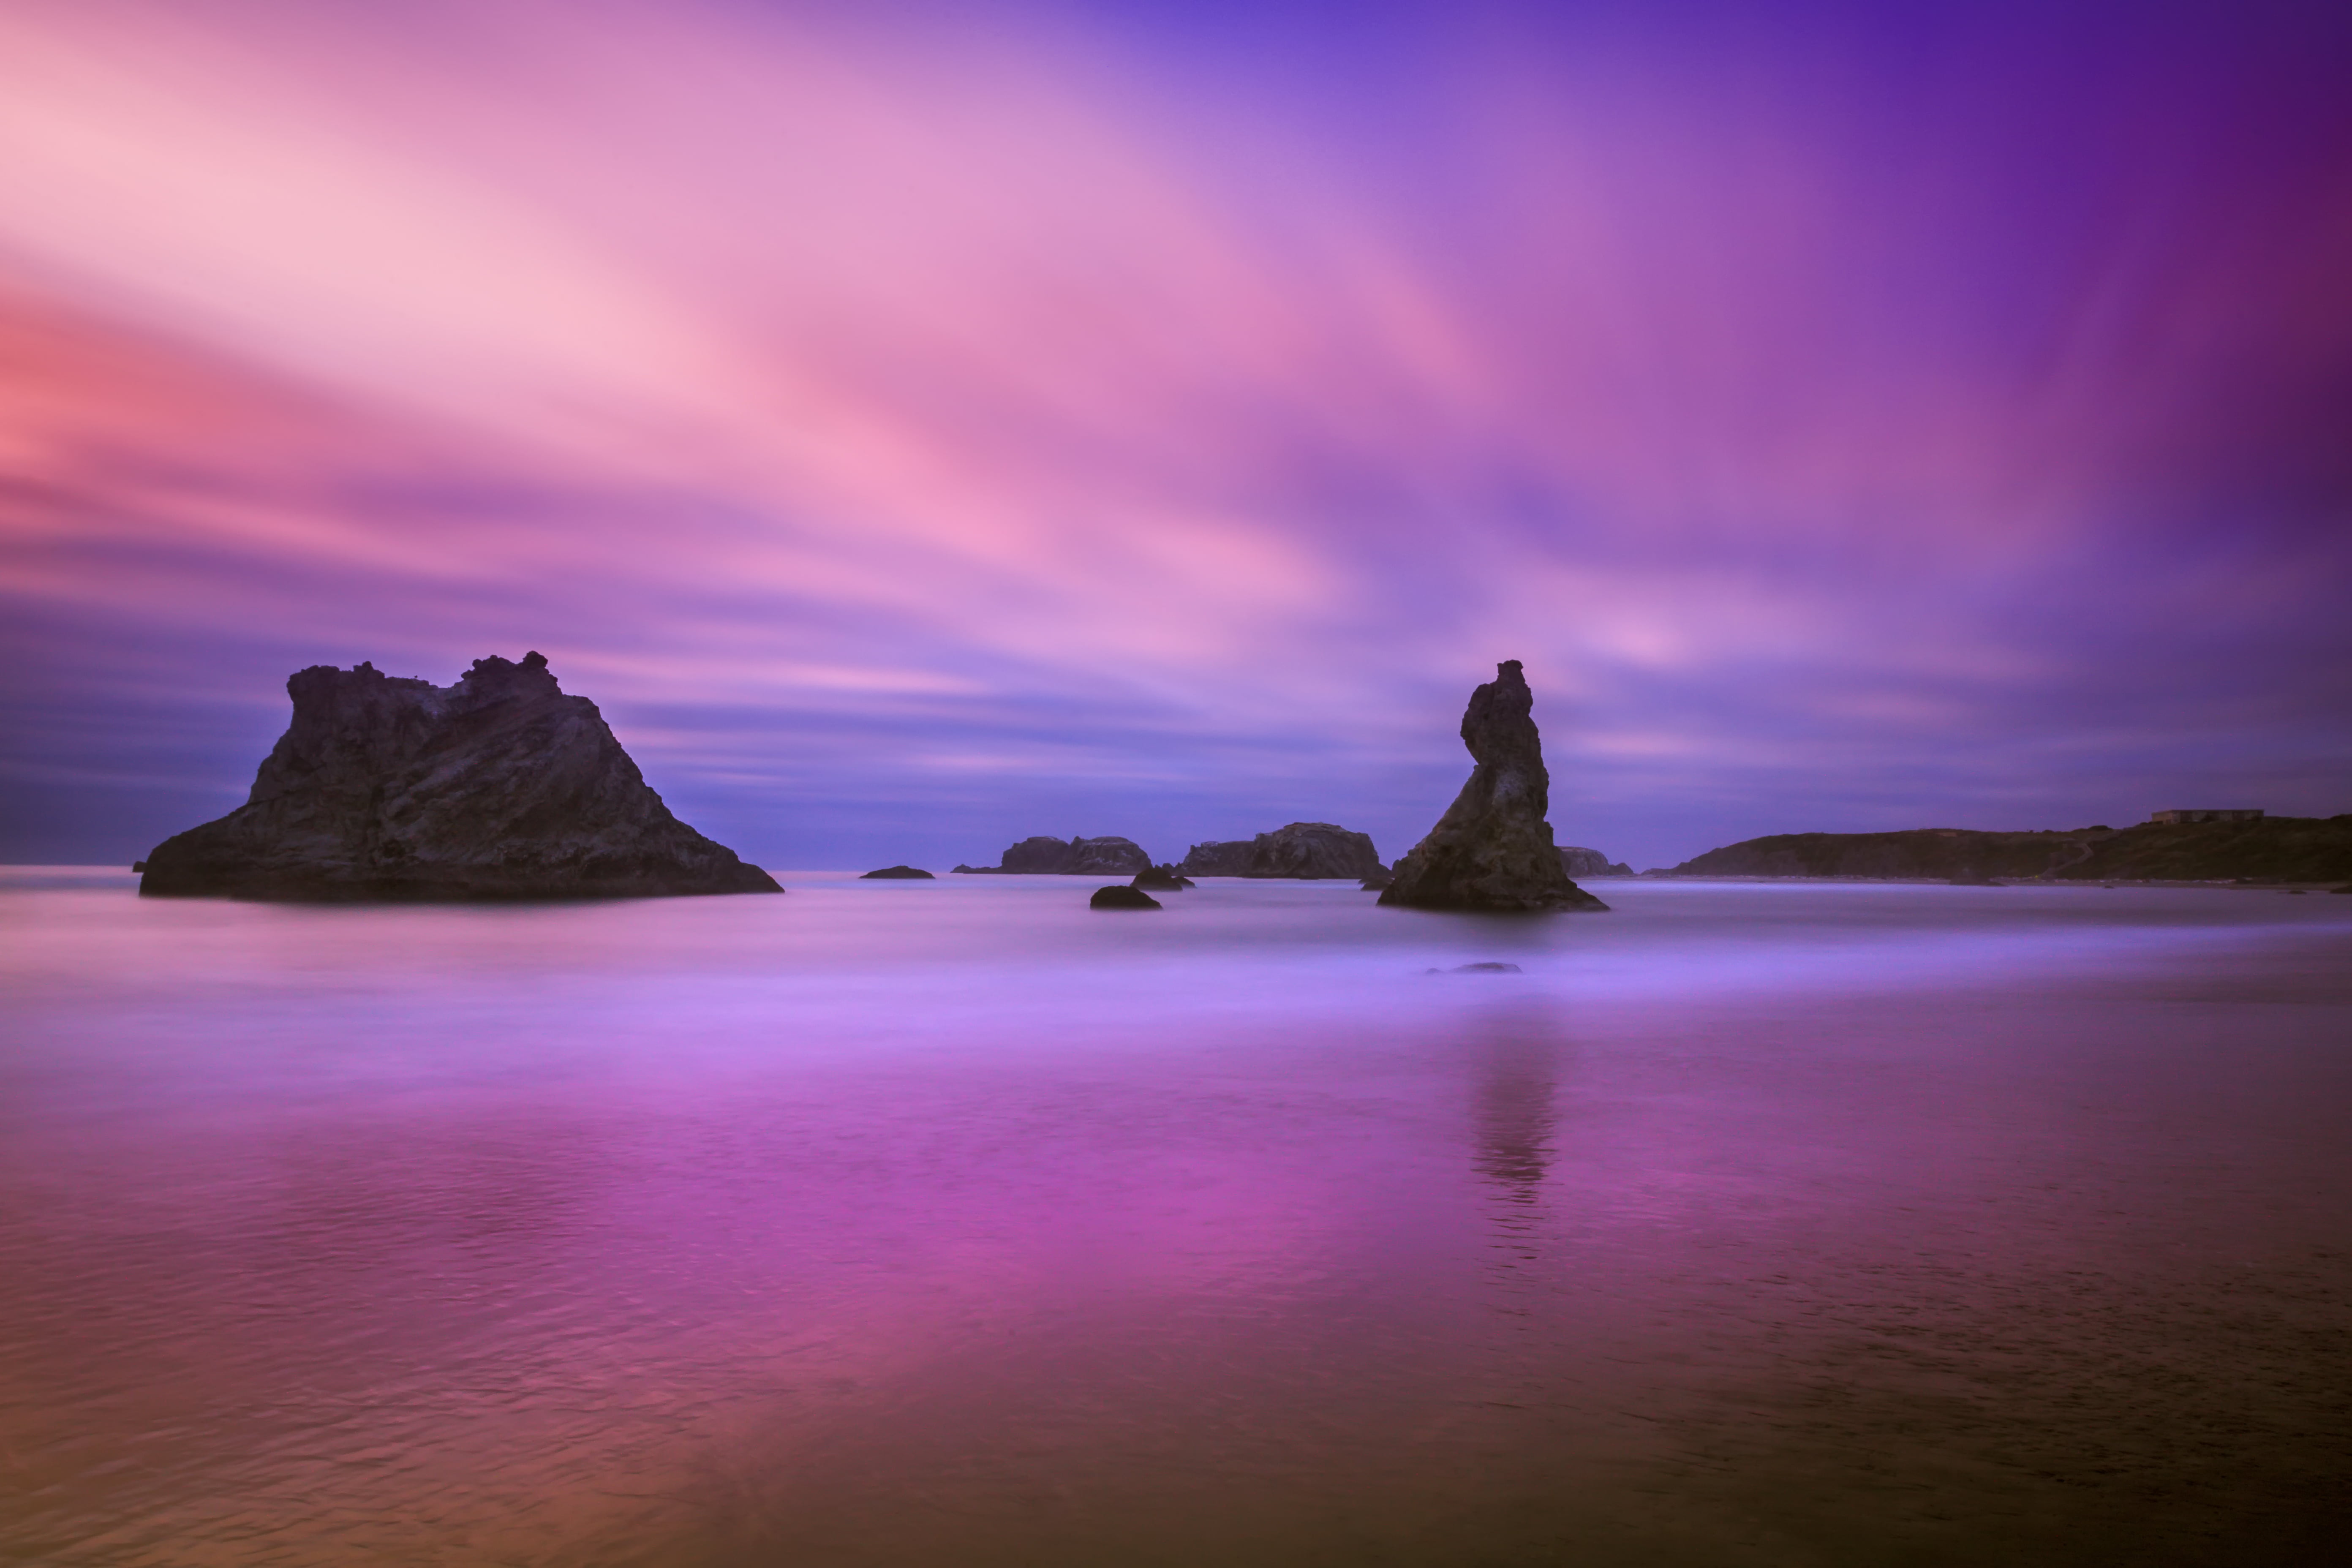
point(898, 874)
point(1493, 848)
point(1119, 896)
point(1304, 850)
point(1076, 857)
point(2271, 849)
point(1581, 862)
point(499, 787)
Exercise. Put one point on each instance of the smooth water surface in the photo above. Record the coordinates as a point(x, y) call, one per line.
point(951, 1222)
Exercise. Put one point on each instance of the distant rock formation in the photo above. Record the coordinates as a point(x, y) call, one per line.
point(1163, 879)
point(2266, 849)
point(1077, 857)
point(499, 787)
point(1580, 862)
point(898, 874)
point(1377, 879)
point(1119, 896)
point(1493, 848)
point(1302, 851)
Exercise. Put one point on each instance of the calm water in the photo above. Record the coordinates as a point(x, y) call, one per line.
point(947, 1223)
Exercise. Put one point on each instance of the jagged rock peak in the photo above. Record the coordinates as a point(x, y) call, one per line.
point(496, 787)
point(1493, 848)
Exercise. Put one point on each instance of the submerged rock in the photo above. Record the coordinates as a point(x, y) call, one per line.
point(1119, 896)
point(1076, 857)
point(1165, 878)
point(898, 874)
point(499, 787)
point(1304, 850)
point(1493, 848)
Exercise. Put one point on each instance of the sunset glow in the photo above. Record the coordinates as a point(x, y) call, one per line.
point(917, 431)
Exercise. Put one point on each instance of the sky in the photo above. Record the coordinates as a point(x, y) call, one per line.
point(921, 426)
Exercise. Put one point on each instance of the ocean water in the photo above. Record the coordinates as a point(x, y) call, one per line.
point(954, 1222)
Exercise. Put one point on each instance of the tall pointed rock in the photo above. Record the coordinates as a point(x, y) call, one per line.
point(1493, 848)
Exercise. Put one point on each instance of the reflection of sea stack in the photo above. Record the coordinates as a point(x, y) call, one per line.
point(499, 786)
point(1493, 848)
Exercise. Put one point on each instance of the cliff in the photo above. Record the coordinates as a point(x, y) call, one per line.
point(1493, 848)
point(2271, 849)
point(1304, 850)
point(499, 787)
point(1109, 857)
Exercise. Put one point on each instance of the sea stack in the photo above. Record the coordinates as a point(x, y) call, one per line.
point(1493, 848)
point(499, 787)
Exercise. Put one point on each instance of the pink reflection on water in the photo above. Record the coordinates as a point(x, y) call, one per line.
point(906, 1224)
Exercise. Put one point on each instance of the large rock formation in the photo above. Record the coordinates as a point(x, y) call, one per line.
point(1302, 849)
point(499, 787)
point(1577, 861)
point(1493, 848)
point(1078, 857)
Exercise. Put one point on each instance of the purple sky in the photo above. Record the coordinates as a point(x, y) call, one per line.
point(922, 428)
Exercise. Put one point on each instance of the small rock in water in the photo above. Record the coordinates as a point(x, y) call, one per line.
point(1122, 897)
point(1165, 877)
point(142, 866)
point(1489, 967)
point(897, 873)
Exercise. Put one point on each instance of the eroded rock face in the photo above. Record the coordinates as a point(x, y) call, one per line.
point(499, 786)
point(1301, 850)
point(1076, 856)
point(1493, 848)
point(1577, 861)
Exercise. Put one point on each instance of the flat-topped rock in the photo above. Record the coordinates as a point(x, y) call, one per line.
point(898, 874)
point(1304, 850)
point(1119, 896)
point(499, 787)
point(1072, 858)
point(1493, 848)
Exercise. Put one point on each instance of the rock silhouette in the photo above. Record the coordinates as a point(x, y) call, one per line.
point(1119, 896)
point(1577, 861)
point(1076, 857)
point(1163, 879)
point(499, 787)
point(897, 874)
point(1301, 850)
point(1493, 848)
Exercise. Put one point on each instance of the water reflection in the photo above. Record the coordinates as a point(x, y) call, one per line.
point(1512, 1113)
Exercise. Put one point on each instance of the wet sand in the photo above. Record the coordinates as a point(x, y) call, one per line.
point(1765, 1225)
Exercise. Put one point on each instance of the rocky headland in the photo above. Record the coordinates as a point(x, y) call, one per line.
point(1299, 850)
point(1493, 848)
point(2267, 849)
point(1072, 858)
point(497, 786)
